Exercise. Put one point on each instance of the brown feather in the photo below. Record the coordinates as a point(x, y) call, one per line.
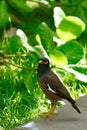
point(57, 90)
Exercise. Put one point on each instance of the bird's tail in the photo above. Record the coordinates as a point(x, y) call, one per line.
point(74, 106)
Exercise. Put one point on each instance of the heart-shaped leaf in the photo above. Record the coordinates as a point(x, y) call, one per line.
point(58, 58)
point(59, 15)
point(70, 28)
point(73, 51)
point(46, 37)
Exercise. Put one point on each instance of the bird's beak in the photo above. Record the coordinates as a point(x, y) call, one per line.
point(42, 62)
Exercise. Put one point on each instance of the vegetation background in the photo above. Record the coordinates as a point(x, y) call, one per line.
point(29, 30)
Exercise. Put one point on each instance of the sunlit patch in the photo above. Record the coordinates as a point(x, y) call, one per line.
point(58, 58)
point(78, 75)
point(31, 125)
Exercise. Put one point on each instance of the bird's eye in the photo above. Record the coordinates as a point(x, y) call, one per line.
point(46, 62)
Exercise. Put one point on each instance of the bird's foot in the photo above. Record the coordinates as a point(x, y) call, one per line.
point(49, 114)
point(51, 111)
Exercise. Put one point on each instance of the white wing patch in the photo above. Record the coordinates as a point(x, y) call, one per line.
point(49, 88)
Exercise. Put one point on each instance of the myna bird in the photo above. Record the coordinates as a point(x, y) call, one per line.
point(52, 86)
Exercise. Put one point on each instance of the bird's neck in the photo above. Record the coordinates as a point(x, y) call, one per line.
point(42, 70)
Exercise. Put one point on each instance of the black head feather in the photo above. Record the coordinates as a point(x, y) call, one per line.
point(43, 66)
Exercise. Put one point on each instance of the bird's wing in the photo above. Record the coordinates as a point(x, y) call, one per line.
point(53, 83)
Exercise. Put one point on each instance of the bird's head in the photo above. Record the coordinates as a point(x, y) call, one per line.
point(43, 66)
point(44, 61)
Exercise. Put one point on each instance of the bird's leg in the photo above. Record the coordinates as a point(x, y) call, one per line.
point(51, 111)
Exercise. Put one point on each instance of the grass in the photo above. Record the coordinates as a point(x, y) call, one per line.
point(18, 105)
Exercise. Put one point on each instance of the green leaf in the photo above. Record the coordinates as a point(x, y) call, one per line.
point(15, 44)
point(84, 4)
point(80, 13)
point(4, 15)
point(70, 28)
point(29, 77)
point(21, 6)
point(77, 71)
point(1, 128)
point(46, 36)
point(59, 15)
point(80, 68)
point(73, 51)
point(40, 51)
point(58, 58)
point(24, 40)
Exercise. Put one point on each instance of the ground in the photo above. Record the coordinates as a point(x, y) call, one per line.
point(66, 119)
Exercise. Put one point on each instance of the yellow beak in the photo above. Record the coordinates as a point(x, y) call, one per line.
point(43, 62)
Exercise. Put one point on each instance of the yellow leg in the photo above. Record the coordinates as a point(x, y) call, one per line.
point(51, 111)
